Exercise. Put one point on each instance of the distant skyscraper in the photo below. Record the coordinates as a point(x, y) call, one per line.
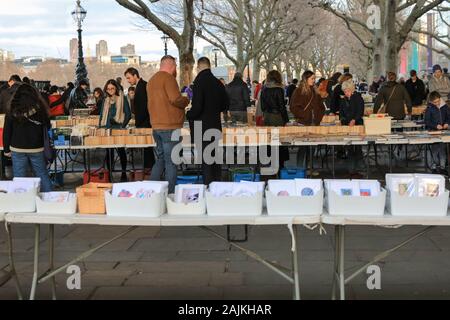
point(73, 50)
point(129, 49)
point(101, 49)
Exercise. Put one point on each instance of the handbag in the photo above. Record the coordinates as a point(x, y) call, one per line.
point(384, 106)
point(49, 145)
point(100, 175)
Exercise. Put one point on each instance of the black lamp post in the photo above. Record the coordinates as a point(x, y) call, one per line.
point(79, 14)
point(216, 51)
point(165, 38)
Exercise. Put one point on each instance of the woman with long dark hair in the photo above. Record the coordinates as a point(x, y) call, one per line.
point(23, 135)
point(273, 104)
point(99, 96)
point(115, 114)
point(307, 107)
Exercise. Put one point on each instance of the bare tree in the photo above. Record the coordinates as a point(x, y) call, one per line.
point(397, 19)
point(183, 39)
point(246, 30)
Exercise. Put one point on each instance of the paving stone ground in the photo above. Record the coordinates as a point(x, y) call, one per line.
point(188, 263)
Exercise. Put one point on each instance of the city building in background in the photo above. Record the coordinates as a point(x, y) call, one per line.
point(128, 50)
point(73, 50)
point(101, 49)
point(6, 56)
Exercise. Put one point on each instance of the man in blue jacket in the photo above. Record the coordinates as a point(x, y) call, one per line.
point(437, 118)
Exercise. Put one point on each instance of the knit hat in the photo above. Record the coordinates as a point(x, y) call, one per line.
point(436, 68)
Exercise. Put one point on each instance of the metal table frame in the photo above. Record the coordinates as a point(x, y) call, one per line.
point(11, 273)
point(204, 222)
point(340, 279)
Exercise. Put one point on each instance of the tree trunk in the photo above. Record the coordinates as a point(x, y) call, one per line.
point(256, 70)
point(377, 59)
point(187, 63)
point(391, 39)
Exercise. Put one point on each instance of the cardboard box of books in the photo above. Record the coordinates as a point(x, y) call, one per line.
point(299, 197)
point(355, 198)
point(19, 195)
point(378, 124)
point(145, 199)
point(417, 195)
point(233, 199)
point(57, 203)
point(188, 200)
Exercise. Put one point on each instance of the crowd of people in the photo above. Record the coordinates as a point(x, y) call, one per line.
point(161, 105)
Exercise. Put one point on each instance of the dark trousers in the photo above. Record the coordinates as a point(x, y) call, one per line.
point(149, 158)
point(211, 172)
point(110, 159)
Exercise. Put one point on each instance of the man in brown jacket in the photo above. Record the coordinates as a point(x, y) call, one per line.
point(166, 107)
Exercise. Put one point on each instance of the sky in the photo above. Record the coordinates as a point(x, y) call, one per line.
point(45, 27)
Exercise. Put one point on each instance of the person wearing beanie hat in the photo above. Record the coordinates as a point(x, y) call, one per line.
point(439, 83)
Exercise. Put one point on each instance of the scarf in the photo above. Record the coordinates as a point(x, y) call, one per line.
point(120, 115)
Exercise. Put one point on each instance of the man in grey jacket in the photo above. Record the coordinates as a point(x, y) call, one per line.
point(439, 83)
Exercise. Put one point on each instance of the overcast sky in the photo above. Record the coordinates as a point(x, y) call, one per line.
point(45, 27)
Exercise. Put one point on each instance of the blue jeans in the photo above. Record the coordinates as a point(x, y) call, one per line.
point(21, 163)
point(164, 162)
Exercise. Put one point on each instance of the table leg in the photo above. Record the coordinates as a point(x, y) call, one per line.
point(336, 262)
point(12, 265)
point(342, 262)
point(368, 162)
point(295, 267)
point(51, 250)
point(390, 158)
point(311, 161)
point(406, 152)
point(333, 161)
point(88, 155)
point(37, 238)
point(2, 166)
point(448, 158)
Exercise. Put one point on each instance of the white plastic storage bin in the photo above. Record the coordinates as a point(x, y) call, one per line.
point(234, 206)
point(356, 206)
point(401, 206)
point(18, 202)
point(69, 207)
point(153, 207)
point(294, 206)
point(181, 209)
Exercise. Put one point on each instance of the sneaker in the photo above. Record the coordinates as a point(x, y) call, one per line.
point(443, 172)
point(124, 177)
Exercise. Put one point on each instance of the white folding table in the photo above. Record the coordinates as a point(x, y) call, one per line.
point(387, 221)
point(203, 222)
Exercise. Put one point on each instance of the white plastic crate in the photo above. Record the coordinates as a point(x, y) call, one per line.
point(294, 206)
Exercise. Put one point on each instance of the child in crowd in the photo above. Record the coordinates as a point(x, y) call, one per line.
point(437, 118)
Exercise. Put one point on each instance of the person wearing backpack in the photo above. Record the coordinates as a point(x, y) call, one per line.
point(23, 135)
point(392, 99)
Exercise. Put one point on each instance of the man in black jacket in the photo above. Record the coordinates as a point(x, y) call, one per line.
point(416, 89)
point(209, 101)
point(239, 96)
point(141, 114)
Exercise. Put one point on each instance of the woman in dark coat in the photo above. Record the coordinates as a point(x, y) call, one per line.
point(273, 105)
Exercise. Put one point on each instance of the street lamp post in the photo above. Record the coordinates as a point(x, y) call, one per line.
point(165, 38)
point(216, 51)
point(79, 14)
